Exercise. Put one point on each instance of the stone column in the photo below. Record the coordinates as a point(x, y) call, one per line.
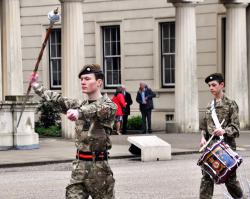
point(236, 57)
point(12, 54)
point(186, 88)
point(248, 53)
point(1, 75)
point(72, 54)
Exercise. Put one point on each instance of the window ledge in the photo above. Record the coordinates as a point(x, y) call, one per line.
point(109, 91)
point(165, 90)
point(161, 90)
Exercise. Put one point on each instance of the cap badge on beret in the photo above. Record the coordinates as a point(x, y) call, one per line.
point(215, 76)
point(90, 68)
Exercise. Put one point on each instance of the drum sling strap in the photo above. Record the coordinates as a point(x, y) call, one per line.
point(215, 118)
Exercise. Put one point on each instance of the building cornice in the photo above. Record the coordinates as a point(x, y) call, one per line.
point(244, 2)
point(184, 1)
point(64, 1)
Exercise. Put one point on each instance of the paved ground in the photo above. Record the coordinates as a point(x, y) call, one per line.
point(62, 150)
point(175, 179)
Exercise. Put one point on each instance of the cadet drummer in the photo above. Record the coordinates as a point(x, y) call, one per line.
point(91, 174)
point(227, 110)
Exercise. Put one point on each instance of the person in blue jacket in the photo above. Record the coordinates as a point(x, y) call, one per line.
point(145, 99)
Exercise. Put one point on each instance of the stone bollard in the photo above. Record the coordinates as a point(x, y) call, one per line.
point(23, 137)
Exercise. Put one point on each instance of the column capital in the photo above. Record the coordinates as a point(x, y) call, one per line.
point(235, 2)
point(64, 1)
point(179, 2)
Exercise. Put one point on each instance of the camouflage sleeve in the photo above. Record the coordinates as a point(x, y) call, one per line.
point(203, 123)
point(100, 111)
point(62, 103)
point(203, 127)
point(233, 127)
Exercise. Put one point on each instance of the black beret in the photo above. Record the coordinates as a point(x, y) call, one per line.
point(90, 68)
point(215, 76)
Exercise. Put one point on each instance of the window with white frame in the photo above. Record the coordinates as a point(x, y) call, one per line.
point(168, 53)
point(111, 56)
point(55, 59)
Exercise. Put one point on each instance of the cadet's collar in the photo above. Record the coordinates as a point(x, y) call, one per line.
point(103, 98)
point(91, 101)
point(221, 101)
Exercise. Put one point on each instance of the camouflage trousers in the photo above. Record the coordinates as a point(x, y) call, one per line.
point(232, 185)
point(93, 179)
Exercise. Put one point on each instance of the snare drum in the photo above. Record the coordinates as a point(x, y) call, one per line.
point(219, 161)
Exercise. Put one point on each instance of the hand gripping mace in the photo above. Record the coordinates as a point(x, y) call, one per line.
point(53, 17)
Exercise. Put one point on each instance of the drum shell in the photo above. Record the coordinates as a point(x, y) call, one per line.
point(219, 161)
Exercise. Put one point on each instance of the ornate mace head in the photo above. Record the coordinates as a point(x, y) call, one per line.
point(54, 16)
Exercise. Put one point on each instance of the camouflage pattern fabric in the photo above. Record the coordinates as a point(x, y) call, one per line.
point(207, 187)
point(228, 110)
point(93, 179)
point(92, 130)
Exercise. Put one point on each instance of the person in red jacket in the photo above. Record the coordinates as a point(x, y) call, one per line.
point(119, 100)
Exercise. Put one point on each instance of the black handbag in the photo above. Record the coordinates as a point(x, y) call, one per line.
point(124, 110)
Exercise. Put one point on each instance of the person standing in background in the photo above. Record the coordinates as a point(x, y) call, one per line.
point(145, 99)
point(126, 112)
point(119, 100)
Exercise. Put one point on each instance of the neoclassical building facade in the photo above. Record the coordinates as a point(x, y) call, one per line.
point(171, 45)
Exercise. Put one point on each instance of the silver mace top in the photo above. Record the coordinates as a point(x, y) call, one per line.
point(54, 16)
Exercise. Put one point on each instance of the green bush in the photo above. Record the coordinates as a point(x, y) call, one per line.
point(52, 131)
point(49, 114)
point(49, 123)
point(135, 122)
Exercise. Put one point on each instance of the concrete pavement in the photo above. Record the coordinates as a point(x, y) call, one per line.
point(56, 150)
point(175, 179)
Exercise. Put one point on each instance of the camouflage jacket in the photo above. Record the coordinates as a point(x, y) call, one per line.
point(225, 109)
point(95, 122)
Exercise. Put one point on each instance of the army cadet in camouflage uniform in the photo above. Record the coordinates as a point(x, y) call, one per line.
point(91, 174)
point(227, 110)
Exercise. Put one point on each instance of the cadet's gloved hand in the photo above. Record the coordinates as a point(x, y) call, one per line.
point(219, 132)
point(72, 114)
point(34, 79)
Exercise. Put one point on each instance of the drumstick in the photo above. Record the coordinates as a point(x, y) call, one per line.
point(205, 145)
